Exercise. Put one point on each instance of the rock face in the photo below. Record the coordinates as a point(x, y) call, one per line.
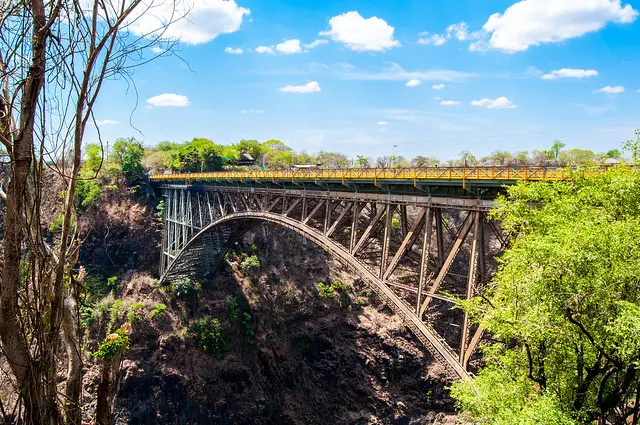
point(295, 358)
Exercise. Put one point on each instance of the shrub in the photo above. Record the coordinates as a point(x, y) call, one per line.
point(249, 331)
point(336, 291)
point(158, 311)
point(186, 288)
point(113, 344)
point(207, 334)
point(133, 314)
point(160, 210)
point(56, 224)
point(87, 192)
point(115, 313)
point(89, 316)
point(251, 264)
point(233, 309)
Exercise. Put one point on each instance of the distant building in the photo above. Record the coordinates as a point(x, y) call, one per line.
point(610, 161)
point(246, 159)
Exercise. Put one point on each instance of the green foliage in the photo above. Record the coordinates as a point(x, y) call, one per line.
point(395, 223)
point(336, 291)
point(564, 306)
point(87, 191)
point(247, 326)
point(56, 224)
point(89, 316)
point(233, 310)
point(186, 288)
point(158, 311)
point(207, 334)
point(113, 344)
point(197, 156)
point(115, 313)
point(250, 265)
point(633, 146)
point(133, 314)
point(127, 155)
point(93, 160)
point(160, 210)
point(238, 314)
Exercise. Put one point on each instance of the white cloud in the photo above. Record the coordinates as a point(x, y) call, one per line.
point(499, 103)
point(315, 44)
point(383, 123)
point(265, 49)
point(532, 22)
point(234, 51)
point(289, 47)
point(360, 34)
point(610, 90)
point(157, 49)
point(438, 86)
point(450, 103)
point(461, 32)
point(394, 72)
point(414, 82)
point(252, 111)
point(435, 39)
point(194, 21)
point(570, 73)
point(169, 99)
point(311, 87)
point(100, 123)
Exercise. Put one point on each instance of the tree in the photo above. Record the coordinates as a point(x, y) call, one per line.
point(577, 157)
point(424, 161)
point(633, 146)
point(54, 59)
point(500, 157)
point(563, 309)
point(466, 159)
point(555, 149)
point(127, 154)
point(362, 162)
point(198, 155)
point(252, 147)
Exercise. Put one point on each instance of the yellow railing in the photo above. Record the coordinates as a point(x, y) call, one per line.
point(414, 174)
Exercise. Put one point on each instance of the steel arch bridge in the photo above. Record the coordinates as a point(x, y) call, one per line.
point(418, 253)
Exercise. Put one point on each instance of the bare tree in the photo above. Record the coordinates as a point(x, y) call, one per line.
point(55, 56)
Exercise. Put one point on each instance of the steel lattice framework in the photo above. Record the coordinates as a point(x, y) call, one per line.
point(418, 253)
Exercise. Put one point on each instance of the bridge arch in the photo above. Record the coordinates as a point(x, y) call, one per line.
point(425, 333)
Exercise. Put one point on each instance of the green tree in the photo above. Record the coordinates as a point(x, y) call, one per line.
point(633, 146)
point(564, 307)
point(556, 148)
point(251, 147)
point(93, 160)
point(362, 162)
point(577, 156)
point(466, 159)
point(198, 155)
point(127, 154)
point(500, 157)
point(424, 161)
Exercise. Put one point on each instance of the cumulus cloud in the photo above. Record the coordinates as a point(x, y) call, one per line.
point(459, 31)
point(265, 49)
point(289, 47)
point(437, 86)
point(450, 103)
point(435, 39)
point(101, 123)
point(383, 123)
point(413, 82)
point(532, 22)
point(234, 51)
point(360, 34)
point(311, 87)
point(315, 44)
point(194, 21)
point(570, 73)
point(169, 99)
point(499, 103)
point(157, 49)
point(610, 90)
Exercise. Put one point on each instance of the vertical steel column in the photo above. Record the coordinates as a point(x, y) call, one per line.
point(440, 236)
point(305, 205)
point(386, 240)
point(176, 228)
point(426, 255)
point(403, 220)
point(327, 217)
point(354, 226)
point(470, 283)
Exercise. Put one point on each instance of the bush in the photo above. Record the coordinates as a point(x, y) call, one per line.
point(115, 313)
point(207, 334)
point(87, 192)
point(336, 291)
point(250, 265)
point(113, 344)
point(56, 224)
point(133, 314)
point(233, 310)
point(186, 288)
point(158, 311)
point(160, 210)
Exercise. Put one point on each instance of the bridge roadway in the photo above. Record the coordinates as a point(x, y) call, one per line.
point(420, 238)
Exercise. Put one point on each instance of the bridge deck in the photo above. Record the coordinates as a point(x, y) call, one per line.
point(495, 176)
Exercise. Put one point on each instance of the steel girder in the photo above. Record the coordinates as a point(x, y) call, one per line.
point(420, 255)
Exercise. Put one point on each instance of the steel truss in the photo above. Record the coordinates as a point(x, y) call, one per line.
point(419, 254)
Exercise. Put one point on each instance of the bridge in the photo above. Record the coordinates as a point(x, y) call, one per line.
point(420, 238)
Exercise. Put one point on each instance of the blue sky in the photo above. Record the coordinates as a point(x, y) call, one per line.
point(431, 77)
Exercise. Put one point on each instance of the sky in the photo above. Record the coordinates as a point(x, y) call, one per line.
point(379, 77)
